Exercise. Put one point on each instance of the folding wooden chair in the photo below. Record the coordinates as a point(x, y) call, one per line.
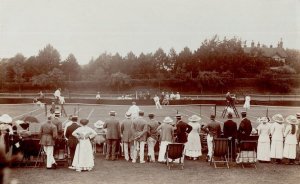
point(247, 155)
point(221, 150)
point(33, 152)
point(175, 151)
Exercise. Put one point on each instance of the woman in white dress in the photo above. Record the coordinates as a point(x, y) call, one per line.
point(247, 102)
point(277, 130)
point(263, 146)
point(290, 143)
point(193, 145)
point(84, 158)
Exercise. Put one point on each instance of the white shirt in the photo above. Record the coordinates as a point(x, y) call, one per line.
point(177, 96)
point(98, 97)
point(156, 99)
point(134, 110)
point(57, 93)
point(61, 99)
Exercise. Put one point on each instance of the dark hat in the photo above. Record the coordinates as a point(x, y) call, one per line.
point(151, 115)
point(141, 113)
point(74, 118)
point(84, 121)
point(212, 117)
point(229, 115)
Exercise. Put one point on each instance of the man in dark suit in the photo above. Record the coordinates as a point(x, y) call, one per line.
point(245, 127)
point(72, 141)
point(112, 136)
point(182, 130)
point(230, 132)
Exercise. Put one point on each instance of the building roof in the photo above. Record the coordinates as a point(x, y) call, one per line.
point(268, 52)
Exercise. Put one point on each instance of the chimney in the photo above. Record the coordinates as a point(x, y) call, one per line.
point(252, 44)
point(281, 43)
point(258, 45)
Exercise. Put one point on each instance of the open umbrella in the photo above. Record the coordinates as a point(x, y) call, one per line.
point(30, 119)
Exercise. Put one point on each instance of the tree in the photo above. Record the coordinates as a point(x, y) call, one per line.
point(3, 73)
point(71, 68)
point(161, 61)
point(120, 80)
point(56, 78)
point(48, 59)
point(41, 80)
point(16, 69)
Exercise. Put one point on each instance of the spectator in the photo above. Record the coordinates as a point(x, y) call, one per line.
point(177, 96)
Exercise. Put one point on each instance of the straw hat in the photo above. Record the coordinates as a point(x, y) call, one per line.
point(84, 121)
point(99, 124)
point(112, 113)
point(5, 118)
point(128, 115)
point(298, 115)
point(194, 118)
point(168, 120)
point(278, 118)
point(292, 120)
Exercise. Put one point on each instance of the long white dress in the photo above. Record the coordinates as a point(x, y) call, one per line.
point(84, 158)
point(247, 102)
point(290, 143)
point(263, 146)
point(193, 145)
point(277, 131)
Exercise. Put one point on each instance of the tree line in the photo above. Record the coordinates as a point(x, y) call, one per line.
point(216, 63)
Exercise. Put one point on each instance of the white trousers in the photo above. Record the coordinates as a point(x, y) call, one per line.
point(139, 146)
point(49, 152)
point(128, 146)
point(209, 145)
point(151, 144)
point(158, 106)
point(162, 151)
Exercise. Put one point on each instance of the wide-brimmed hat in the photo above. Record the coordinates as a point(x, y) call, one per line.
point(84, 121)
point(99, 124)
point(5, 118)
point(194, 118)
point(278, 118)
point(127, 114)
point(168, 120)
point(292, 120)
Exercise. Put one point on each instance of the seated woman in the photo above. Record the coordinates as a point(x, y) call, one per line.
point(100, 137)
point(84, 158)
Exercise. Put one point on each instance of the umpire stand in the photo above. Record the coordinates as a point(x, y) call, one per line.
point(230, 103)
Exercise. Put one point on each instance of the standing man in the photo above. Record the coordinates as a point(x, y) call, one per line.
point(58, 125)
point(157, 102)
point(127, 136)
point(140, 129)
point(98, 97)
point(112, 136)
point(72, 141)
point(245, 127)
point(213, 130)
point(134, 110)
point(182, 129)
point(48, 134)
point(230, 132)
point(153, 137)
point(177, 96)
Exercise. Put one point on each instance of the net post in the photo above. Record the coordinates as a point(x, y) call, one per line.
point(215, 110)
point(45, 109)
point(78, 110)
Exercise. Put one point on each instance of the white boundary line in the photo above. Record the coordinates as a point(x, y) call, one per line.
point(25, 113)
point(90, 113)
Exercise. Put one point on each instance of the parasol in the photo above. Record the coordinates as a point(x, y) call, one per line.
point(30, 119)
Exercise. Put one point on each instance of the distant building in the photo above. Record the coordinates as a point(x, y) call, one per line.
point(276, 53)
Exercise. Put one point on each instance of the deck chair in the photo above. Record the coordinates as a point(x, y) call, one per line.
point(247, 155)
point(175, 151)
point(61, 152)
point(33, 152)
point(220, 150)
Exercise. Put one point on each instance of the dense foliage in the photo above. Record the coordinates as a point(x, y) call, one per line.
point(215, 64)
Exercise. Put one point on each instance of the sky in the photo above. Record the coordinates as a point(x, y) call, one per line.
point(88, 28)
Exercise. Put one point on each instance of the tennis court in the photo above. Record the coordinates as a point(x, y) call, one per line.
point(95, 112)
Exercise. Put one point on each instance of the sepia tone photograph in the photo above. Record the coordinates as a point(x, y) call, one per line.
point(149, 91)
